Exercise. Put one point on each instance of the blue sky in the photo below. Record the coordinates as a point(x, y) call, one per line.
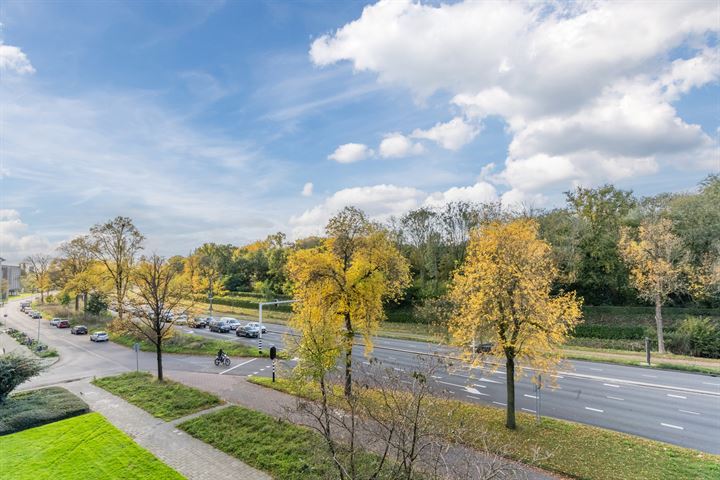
point(206, 121)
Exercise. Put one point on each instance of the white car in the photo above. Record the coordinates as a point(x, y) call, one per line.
point(99, 337)
point(181, 320)
point(54, 322)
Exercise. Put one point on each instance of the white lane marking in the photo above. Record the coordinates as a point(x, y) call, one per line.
point(596, 369)
point(529, 396)
point(672, 426)
point(690, 412)
point(436, 376)
point(501, 404)
point(398, 369)
point(594, 409)
point(677, 396)
point(649, 376)
point(453, 384)
point(255, 373)
point(614, 398)
point(479, 386)
point(711, 383)
point(528, 410)
point(475, 391)
point(238, 365)
point(488, 380)
point(611, 385)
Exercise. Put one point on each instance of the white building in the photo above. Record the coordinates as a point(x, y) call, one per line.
point(11, 274)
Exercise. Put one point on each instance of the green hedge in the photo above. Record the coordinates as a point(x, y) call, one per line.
point(38, 407)
point(610, 332)
point(242, 302)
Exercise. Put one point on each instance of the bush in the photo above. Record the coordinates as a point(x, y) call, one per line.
point(38, 348)
point(96, 304)
point(610, 332)
point(14, 370)
point(38, 407)
point(699, 337)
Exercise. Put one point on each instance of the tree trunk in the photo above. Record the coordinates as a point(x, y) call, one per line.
point(510, 383)
point(659, 324)
point(158, 352)
point(348, 355)
point(77, 302)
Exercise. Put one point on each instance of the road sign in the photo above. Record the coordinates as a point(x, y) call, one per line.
point(136, 347)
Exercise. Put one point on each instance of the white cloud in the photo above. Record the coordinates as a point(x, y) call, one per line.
point(307, 190)
point(397, 145)
point(452, 135)
point(585, 87)
point(380, 202)
point(13, 59)
point(16, 242)
point(481, 192)
point(350, 152)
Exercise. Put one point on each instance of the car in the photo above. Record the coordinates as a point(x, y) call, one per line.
point(79, 330)
point(257, 325)
point(63, 324)
point(54, 322)
point(181, 320)
point(36, 315)
point(251, 330)
point(220, 327)
point(99, 337)
point(232, 323)
point(484, 347)
point(200, 322)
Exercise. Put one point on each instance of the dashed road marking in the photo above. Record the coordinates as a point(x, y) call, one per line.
point(479, 386)
point(649, 376)
point(614, 398)
point(677, 396)
point(596, 369)
point(594, 409)
point(529, 396)
point(711, 383)
point(689, 411)
point(475, 391)
point(672, 426)
point(501, 404)
point(528, 410)
point(611, 385)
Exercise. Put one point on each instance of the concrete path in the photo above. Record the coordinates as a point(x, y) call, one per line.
point(192, 458)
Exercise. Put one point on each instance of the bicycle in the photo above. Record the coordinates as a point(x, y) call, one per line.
point(225, 360)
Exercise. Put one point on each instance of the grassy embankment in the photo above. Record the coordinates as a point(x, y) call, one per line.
point(86, 447)
point(37, 407)
point(166, 400)
point(571, 449)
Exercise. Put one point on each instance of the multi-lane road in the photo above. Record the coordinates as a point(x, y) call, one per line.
point(674, 407)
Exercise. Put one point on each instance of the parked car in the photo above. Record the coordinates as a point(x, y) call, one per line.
point(233, 323)
point(248, 330)
point(220, 327)
point(63, 324)
point(181, 320)
point(484, 347)
point(79, 330)
point(199, 322)
point(54, 322)
point(257, 325)
point(36, 315)
point(99, 337)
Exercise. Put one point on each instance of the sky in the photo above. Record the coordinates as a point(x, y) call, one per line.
point(213, 121)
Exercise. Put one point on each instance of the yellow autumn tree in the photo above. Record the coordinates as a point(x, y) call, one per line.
point(657, 265)
point(502, 295)
point(341, 284)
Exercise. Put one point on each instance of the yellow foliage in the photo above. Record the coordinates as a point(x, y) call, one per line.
point(502, 295)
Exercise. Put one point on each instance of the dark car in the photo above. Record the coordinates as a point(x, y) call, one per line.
point(484, 347)
point(220, 327)
point(79, 330)
point(63, 324)
point(199, 322)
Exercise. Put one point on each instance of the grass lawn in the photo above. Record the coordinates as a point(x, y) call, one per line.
point(38, 407)
point(166, 400)
point(572, 449)
point(284, 450)
point(87, 447)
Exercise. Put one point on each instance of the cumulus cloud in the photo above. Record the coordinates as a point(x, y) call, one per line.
point(13, 59)
point(452, 135)
point(380, 202)
point(16, 242)
point(350, 152)
point(307, 190)
point(585, 88)
point(397, 145)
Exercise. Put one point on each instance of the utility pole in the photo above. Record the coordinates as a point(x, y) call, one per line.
point(260, 317)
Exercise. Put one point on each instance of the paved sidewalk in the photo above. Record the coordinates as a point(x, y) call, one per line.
point(192, 458)
point(238, 390)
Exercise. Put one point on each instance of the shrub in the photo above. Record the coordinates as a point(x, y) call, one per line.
point(14, 370)
point(96, 304)
point(610, 331)
point(699, 337)
point(38, 407)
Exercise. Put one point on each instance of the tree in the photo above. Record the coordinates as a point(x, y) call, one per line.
point(75, 259)
point(97, 304)
point(116, 244)
point(158, 293)
point(502, 294)
point(14, 370)
point(602, 275)
point(212, 262)
point(348, 277)
point(40, 272)
point(657, 263)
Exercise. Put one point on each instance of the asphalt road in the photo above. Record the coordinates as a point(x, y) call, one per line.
point(673, 407)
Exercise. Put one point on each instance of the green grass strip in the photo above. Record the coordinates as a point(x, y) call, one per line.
point(166, 400)
point(86, 447)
